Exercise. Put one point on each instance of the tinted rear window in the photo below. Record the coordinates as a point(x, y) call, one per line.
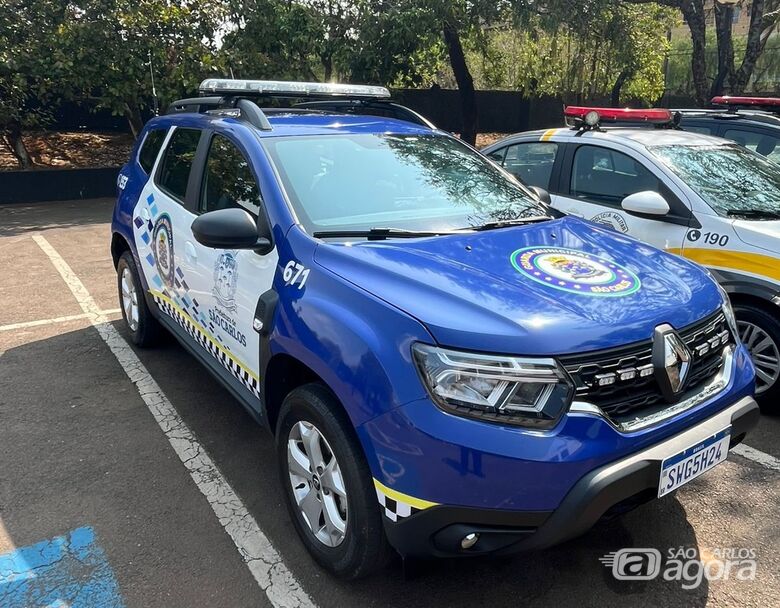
point(150, 148)
point(177, 161)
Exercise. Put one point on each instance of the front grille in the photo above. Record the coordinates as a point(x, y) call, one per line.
point(633, 395)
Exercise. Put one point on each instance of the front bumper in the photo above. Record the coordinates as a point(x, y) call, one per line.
point(612, 488)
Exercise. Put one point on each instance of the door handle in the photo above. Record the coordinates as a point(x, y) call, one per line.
point(189, 251)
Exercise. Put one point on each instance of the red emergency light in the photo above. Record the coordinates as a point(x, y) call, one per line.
point(593, 116)
point(761, 102)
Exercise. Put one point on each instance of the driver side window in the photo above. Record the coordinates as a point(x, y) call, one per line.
point(228, 181)
point(601, 175)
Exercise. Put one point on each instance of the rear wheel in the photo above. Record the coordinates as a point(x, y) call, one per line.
point(760, 333)
point(143, 328)
point(327, 484)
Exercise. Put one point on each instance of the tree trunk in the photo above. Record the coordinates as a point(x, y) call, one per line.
point(133, 116)
point(693, 10)
point(621, 80)
point(13, 137)
point(327, 67)
point(758, 34)
point(724, 17)
point(468, 96)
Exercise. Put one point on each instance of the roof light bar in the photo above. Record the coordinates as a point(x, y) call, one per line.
point(728, 100)
point(592, 116)
point(279, 88)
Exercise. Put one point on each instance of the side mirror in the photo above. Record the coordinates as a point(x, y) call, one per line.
point(645, 203)
point(232, 229)
point(543, 195)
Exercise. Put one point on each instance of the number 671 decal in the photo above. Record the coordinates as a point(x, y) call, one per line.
point(295, 273)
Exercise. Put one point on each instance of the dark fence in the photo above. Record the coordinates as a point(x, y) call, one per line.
point(57, 184)
point(504, 111)
point(498, 111)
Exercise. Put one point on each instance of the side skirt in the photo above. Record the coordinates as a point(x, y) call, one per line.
point(254, 406)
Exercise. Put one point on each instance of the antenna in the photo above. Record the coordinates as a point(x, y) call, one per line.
point(154, 90)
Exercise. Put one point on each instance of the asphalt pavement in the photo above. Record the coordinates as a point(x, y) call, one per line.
point(99, 500)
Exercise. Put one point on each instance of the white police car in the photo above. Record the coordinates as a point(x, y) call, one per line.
point(702, 197)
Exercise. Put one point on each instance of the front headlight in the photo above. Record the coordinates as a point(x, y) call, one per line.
point(495, 388)
point(728, 311)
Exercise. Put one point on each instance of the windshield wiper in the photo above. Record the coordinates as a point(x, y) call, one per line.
point(754, 213)
point(379, 234)
point(534, 219)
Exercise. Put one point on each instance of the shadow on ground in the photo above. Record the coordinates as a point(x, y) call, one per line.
point(20, 219)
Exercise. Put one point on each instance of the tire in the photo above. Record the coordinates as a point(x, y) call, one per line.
point(760, 332)
point(312, 415)
point(143, 328)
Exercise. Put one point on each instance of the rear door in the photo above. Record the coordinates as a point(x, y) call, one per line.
point(162, 226)
point(594, 181)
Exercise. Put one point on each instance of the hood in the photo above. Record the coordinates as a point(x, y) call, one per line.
point(552, 288)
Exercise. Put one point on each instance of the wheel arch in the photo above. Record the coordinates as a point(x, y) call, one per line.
point(284, 373)
point(119, 245)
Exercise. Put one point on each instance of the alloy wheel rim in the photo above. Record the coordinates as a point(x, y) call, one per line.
point(129, 299)
point(317, 483)
point(764, 352)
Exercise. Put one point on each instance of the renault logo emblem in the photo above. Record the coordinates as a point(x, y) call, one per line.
point(671, 361)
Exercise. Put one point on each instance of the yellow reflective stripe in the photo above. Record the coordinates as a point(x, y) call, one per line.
point(208, 336)
point(418, 503)
point(547, 135)
point(754, 263)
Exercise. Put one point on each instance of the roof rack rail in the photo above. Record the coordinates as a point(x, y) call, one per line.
point(239, 107)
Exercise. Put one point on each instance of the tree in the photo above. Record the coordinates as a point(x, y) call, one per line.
point(764, 16)
point(580, 50)
point(31, 67)
point(116, 45)
point(459, 20)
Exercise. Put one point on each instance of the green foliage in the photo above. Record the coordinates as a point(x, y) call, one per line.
point(580, 53)
point(30, 64)
point(111, 43)
point(99, 51)
point(765, 79)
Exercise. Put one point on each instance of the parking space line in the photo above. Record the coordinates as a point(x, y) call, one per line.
point(38, 322)
point(762, 458)
point(264, 562)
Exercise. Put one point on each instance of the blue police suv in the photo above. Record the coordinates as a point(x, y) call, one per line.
point(449, 367)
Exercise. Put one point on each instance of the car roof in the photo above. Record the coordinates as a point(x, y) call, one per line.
point(299, 123)
point(759, 117)
point(633, 136)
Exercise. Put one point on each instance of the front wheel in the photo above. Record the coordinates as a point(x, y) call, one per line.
point(760, 333)
point(327, 484)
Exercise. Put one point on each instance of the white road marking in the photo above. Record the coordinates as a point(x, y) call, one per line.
point(762, 458)
point(38, 322)
point(264, 562)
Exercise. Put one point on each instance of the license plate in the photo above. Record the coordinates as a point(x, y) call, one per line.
point(681, 468)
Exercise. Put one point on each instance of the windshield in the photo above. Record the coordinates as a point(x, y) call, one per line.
point(405, 182)
point(730, 178)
